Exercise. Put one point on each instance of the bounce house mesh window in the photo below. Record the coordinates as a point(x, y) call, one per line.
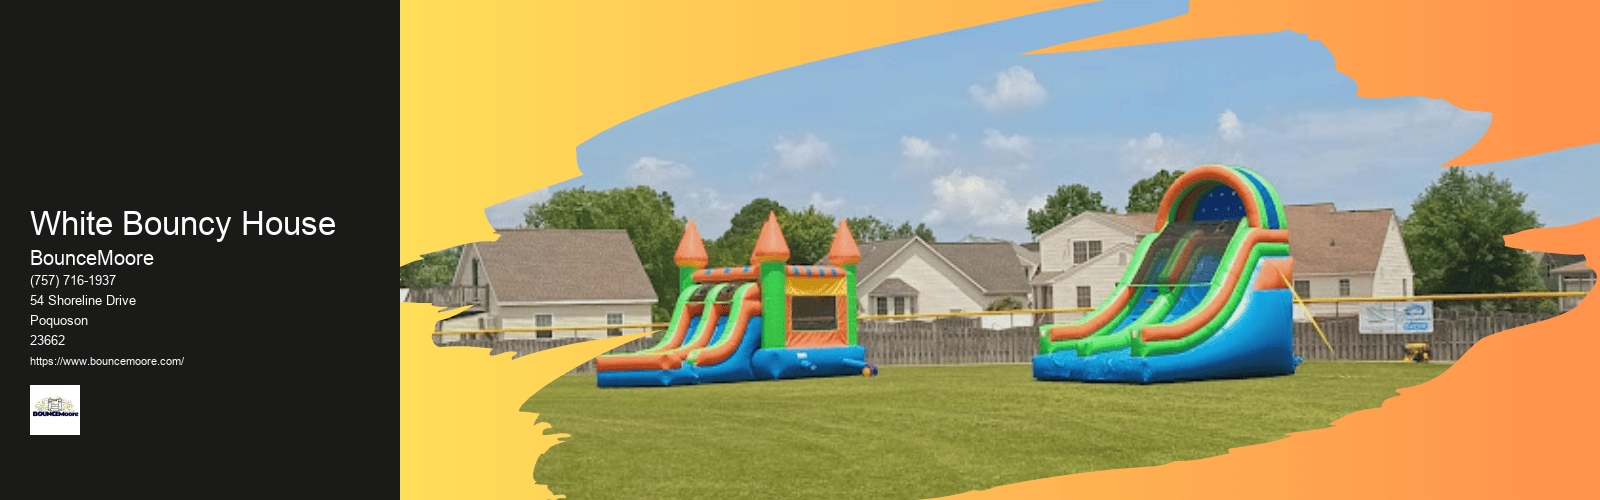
point(700, 293)
point(727, 292)
point(818, 313)
point(1186, 253)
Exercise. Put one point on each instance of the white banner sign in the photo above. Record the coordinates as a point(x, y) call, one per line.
point(1397, 317)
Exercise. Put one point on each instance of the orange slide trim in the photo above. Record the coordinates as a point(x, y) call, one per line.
point(1252, 211)
point(719, 312)
point(665, 359)
point(1214, 306)
point(726, 274)
point(1081, 330)
point(1269, 279)
point(749, 307)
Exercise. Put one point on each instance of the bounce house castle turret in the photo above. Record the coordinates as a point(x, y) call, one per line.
point(844, 253)
point(766, 320)
point(691, 256)
point(770, 253)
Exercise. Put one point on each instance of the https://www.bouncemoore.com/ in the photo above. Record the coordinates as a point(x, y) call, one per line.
point(104, 362)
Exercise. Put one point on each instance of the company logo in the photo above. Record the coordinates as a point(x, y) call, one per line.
point(1414, 310)
point(54, 407)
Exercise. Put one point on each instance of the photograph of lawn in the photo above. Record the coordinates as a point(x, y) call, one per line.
point(922, 431)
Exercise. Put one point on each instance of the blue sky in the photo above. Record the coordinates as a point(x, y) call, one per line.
point(963, 132)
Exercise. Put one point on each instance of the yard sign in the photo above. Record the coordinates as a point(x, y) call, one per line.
point(1397, 317)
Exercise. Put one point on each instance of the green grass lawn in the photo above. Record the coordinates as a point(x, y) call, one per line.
point(920, 432)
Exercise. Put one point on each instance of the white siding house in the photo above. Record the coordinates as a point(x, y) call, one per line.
point(1083, 258)
point(912, 276)
point(533, 278)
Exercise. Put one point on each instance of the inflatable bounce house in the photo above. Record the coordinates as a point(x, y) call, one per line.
point(764, 321)
point(1204, 296)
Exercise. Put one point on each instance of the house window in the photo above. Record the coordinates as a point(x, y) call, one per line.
point(913, 301)
point(883, 305)
point(1344, 288)
point(1083, 297)
point(819, 313)
point(474, 271)
point(614, 319)
point(1302, 288)
point(1082, 251)
point(542, 321)
point(899, 305)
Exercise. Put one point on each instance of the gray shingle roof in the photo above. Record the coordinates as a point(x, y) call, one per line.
point(893, 286)
point(535, 265)
point(994, 265)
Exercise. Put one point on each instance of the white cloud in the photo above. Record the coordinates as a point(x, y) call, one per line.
point(1014, 88)
point(805, 154)
point(823, 203)
point(710, 212)
point(654, 172)
point(919, 149)
point(963, 197)
point(1019, 145)
point(1157, 152)
point(508, 214)
point(1229, 127)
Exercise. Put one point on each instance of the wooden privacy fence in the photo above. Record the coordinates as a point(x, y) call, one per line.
point(526, 347)
point(1454, 331)
point(954, 341)
point(960, 341)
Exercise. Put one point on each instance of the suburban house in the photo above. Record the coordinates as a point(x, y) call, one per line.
point(1574, 277)
point(1547, 263)
point(1082, 259)
point(534, 278)
point(1354, 253)
point(912, 276)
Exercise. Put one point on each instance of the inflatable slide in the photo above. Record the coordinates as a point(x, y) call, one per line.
point(763, 321)
point(1204, 296)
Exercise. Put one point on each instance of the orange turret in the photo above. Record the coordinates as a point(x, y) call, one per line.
point(691, 249)
point(770, 245)
point(844, 251)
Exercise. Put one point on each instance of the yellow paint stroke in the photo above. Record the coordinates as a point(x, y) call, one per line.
point(495, 98)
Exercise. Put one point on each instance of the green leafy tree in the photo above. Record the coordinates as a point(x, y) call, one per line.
point(646, 214)
point(809, 233)
point(1066, 202)
point(1455, 237)
point(1145, 195)
point(1005, 304)
point(434, 269)
point(868, 229)
point(734, 246)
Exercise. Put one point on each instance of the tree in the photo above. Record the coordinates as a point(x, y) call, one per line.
point(868, 229)
point(1005, 304)
point(1066, 202)
point(1145, 195)
point(1455, 237)
point(435, 269)
point(734, 246)
point(646, 214)
point(809, 233)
